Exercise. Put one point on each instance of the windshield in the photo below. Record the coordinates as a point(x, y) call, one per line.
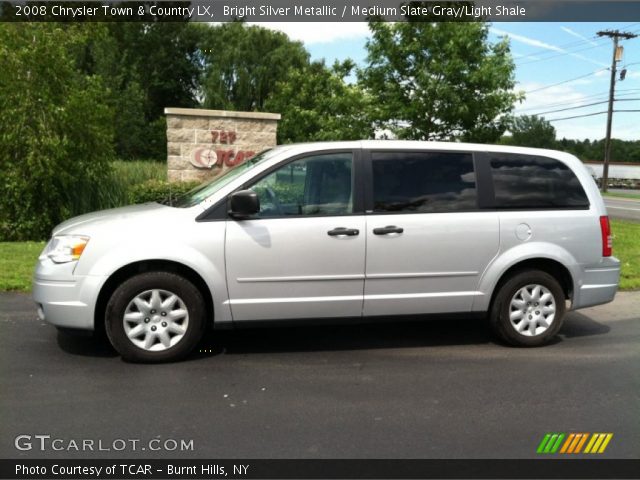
point(202, 192)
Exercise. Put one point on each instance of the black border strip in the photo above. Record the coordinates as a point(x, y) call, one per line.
point(544, 468)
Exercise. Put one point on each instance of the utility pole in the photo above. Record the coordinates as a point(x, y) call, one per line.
point(617, 55)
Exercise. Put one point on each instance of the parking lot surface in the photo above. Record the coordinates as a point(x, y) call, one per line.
point(434, 389)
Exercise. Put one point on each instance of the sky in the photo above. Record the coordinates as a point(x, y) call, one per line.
point(558, 66)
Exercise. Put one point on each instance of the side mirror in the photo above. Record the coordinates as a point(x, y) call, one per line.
point(243, 204)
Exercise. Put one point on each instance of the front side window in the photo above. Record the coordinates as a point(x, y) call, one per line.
point(318, 185)
point(527, 181)
point(422, 182)
point(205, 190)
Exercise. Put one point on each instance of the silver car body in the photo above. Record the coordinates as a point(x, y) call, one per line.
point(286, 268)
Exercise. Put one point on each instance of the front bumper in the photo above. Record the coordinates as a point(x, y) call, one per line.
point(63, 299)
point(599, 284)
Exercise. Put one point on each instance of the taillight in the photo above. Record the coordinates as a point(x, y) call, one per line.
point(607, 241)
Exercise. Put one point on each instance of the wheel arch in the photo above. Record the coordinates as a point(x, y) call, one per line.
point(127, 271)
point(548, 265)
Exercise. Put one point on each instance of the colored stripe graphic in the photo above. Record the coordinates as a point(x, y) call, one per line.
point(573, 443)
point(555, 447)
point(550, 443)
point(598, 442)
point(543, 443)
point(581, 442)
point(605, 443)
point(567, 443)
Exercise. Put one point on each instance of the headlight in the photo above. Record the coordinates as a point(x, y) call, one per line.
point(64, 248)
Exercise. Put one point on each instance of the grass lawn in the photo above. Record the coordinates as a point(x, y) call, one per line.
point(633, 196)
point(17, 259)
point(626, 246)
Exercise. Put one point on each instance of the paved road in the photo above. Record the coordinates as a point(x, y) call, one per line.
point(623, 208)
point(438, 389)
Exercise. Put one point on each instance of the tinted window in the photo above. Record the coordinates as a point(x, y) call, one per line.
point(316, 185)
point(423, 182)
point(525, 181)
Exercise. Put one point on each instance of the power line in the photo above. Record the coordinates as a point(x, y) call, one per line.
point(569, 52)
point(575, 43)
point(592, 97)
point(560, 54)
point(586, 105)
point(571, 108)
point(589, 115)
point(565, 103)
point(536, 53)
point(566, 81)
point(575, 116)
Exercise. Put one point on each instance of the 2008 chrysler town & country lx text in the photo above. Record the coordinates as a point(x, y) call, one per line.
point(339, 230)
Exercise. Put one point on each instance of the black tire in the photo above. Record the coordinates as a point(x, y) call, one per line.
point(499, 315)
point(134, 286)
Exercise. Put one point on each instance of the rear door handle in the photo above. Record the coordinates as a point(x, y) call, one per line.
point(387, 230)
point(342, 231)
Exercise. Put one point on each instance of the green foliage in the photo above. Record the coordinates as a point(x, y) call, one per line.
point(317, 103)
point(159, 191)
point(439, 81)
point(124, 177)
point(146, 67)
point(135, 172)
point(286, 193)
point(56, 139)
point(534, 131)
point(588, 150)
point(243, 65)
point(531, 131)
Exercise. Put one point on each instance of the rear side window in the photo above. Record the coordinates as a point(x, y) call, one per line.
point(526, 181)
point(423, 182)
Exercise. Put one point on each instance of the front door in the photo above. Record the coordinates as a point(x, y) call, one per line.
point(302, 255)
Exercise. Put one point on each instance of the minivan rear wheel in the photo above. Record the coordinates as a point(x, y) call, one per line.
point(528, 309)
point(155, 317)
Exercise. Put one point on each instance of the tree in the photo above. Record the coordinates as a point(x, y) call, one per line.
point(56, 138)
point(244, 64)
point(439, 81)
point(532, 131)
point(147, 67)
point(317, 104)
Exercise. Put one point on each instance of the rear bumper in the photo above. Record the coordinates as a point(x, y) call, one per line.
point(66, 302)
point(599, 284)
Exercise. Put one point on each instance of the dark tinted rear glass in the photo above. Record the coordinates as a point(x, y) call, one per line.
point(526, 181)
point(423, 182)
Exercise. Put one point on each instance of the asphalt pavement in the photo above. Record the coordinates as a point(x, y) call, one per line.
point(433, 389)
point(623, 208)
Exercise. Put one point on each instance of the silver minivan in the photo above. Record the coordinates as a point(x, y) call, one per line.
point(339, 231)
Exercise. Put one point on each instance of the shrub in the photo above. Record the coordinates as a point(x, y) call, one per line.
point(158, 191)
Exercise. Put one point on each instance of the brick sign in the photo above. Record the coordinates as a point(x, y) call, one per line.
point(202, 144)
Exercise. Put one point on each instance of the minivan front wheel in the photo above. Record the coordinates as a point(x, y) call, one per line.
point(528, 309)
point(155, 317)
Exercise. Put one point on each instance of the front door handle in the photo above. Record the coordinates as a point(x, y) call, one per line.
point(342, 231)
point(387, 230)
